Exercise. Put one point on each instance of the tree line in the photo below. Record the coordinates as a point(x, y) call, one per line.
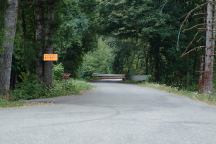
point(172, 40)
point(31, 28)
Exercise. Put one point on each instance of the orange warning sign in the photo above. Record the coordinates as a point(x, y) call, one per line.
point(50, 57)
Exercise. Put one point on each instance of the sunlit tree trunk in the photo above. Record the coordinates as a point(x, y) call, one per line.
point(10, 21)
point(207, 78)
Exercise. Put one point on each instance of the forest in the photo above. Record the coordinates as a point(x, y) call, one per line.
point(171, 40)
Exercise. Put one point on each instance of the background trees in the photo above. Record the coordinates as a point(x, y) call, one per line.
point(149, 30)
point(100, 60)
point(75, 32)
point(162, 38)
point(46, 26)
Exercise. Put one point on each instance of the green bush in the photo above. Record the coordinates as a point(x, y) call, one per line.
point(28, 89)
point(98, 61)
point(67, 87)
point(58, 71)
point(33, 89)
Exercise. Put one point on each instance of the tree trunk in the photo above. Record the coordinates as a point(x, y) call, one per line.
point(155, 45)
point(146, 61)
point(48, 46)
point(201, 79)
point(39, 36)
point(44, 21)
point(207, 77)
point(10, 21)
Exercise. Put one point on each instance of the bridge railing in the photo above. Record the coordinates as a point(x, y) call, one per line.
point(136, 78)
point(109, 76)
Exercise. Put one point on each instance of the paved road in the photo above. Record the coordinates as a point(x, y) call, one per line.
point(112, 113)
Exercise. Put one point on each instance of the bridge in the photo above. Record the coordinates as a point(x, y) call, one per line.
point(135, 78)
point(109, 76)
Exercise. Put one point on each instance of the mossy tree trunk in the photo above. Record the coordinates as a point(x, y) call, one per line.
point(10, 21)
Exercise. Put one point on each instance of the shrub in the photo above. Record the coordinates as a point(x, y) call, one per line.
point(68, 87)
point(98, 61)
point(28, 89)
point(58, 71)
point(33, 89)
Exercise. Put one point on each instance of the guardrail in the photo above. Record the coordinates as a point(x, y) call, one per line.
point(139, 78)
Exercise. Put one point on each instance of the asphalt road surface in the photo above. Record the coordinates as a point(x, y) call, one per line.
point(111, 113)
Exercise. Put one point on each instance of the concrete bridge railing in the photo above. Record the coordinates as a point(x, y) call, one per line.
point(109, 76)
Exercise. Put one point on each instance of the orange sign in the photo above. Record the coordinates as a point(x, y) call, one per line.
point(50, 57)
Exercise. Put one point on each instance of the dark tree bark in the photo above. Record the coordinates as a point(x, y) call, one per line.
point(155, 45)
point(10, 21)
point(39, 36)
point(44, 21)
point(48, 46)
point(201, 78)
point(147, 61)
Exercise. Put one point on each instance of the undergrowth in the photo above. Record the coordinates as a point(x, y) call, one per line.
point(210, 99)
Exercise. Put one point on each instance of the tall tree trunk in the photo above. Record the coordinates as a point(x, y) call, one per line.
point(155, 45)
point(146, 61)
point(10, 21)
point(201, 79)
point(48, 46)
point(207, 77)
point(39, 36)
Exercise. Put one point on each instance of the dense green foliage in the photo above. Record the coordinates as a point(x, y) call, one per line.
point(98, 61)
point(147, 33)
point(29, 89)
point(24, 57)
point(76, 32)
point(73, 35)
point(58, 71)
point(33, 89)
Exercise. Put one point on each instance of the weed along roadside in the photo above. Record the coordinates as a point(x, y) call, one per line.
point(207, 98)
point(29, 91)
point(6, 103)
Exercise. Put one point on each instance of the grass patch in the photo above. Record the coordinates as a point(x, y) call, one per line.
point(210, 99)
point(6, 103)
